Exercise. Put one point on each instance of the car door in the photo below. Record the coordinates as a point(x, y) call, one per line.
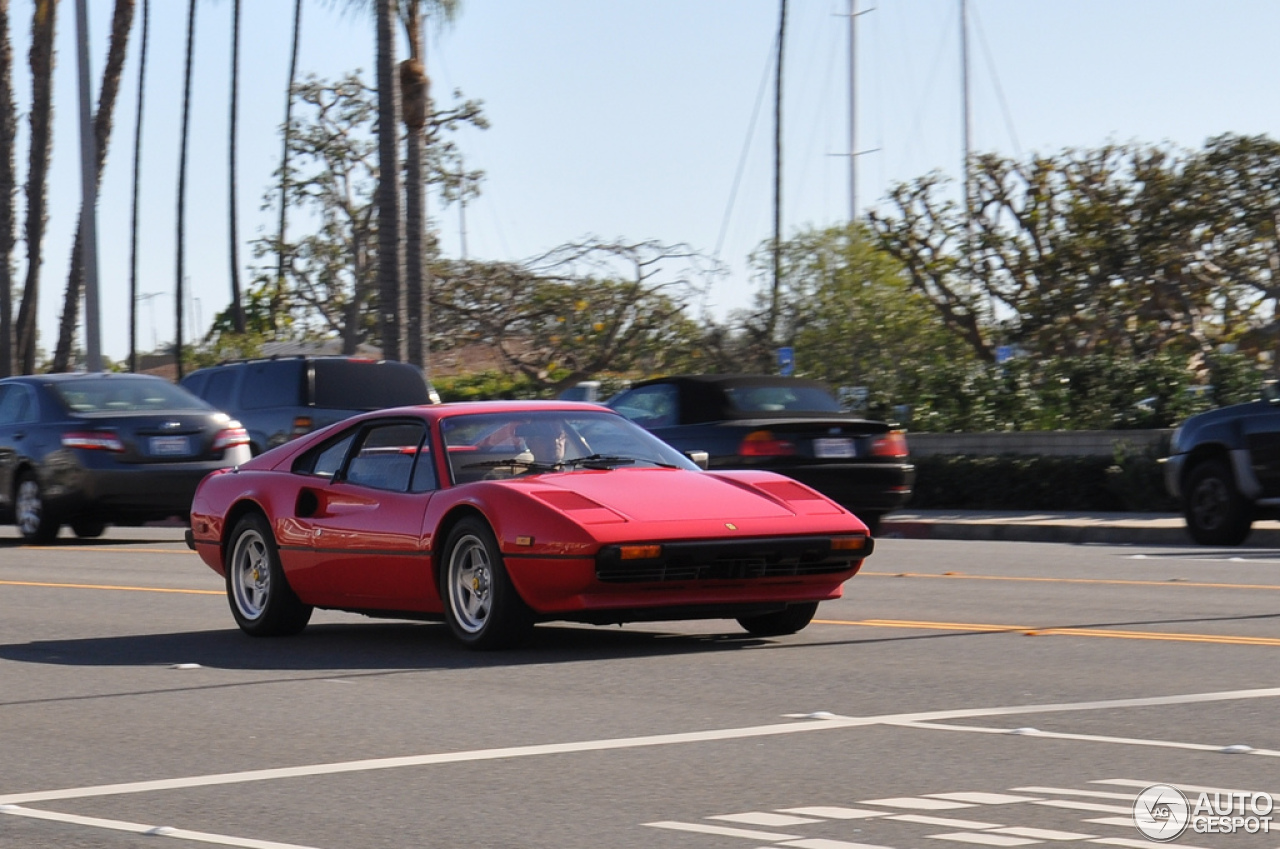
point(17, 416)
point(1262, 437)
point(363, 527)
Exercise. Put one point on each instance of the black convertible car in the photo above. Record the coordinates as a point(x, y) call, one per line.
point(787, 425)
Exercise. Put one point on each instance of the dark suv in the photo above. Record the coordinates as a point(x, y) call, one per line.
point(1224, 469)
point(281, 398)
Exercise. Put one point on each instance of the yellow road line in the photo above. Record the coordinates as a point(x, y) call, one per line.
point(107, 587)
point(1111, 633)
point(1112, 581)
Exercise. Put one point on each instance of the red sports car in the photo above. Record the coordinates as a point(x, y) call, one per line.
point(495, 515)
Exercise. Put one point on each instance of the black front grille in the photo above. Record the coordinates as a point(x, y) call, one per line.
point(731, 560)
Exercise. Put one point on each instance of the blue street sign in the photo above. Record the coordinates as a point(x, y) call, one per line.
point(786, 361)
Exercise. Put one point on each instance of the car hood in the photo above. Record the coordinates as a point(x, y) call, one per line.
point(664, 494)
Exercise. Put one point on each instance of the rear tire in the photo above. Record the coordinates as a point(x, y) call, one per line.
point(31, 513)
point(1216, 512)
point(261, 599)
point(88, 528)
point(481, 605)
point(787, 621)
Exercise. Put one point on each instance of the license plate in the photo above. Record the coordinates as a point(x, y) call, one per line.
point(832, 448)
point(170, 446)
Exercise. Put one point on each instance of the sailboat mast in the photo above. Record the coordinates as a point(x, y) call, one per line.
point(964, 81)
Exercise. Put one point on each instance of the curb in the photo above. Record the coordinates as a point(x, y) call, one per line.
point(1078, 531)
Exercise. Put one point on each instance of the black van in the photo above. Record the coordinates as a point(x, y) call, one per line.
point(282, 398)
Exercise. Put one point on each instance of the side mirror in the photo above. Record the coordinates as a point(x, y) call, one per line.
point(1271, 391)
point(701, 459)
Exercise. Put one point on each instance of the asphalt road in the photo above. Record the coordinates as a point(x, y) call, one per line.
point(961, 694)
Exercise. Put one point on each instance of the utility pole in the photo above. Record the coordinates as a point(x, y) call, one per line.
point(89, 194)
point(777, 178)
point(853, 110)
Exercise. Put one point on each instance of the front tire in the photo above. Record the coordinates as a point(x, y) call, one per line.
point(789, 620)
point(1216, 512)
point(261, 599)
point(32, 515)
point(481, 605)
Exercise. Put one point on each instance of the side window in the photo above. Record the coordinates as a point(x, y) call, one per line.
point(650, 406)
point(325, 460)
point(15, 404)
point(385, 456)
point(218, 390)
point(275, 383)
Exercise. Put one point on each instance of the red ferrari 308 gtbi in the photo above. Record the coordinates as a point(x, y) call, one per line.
point(493, 516)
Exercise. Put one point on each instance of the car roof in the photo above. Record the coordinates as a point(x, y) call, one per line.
point(81, 375)
point(729, 380)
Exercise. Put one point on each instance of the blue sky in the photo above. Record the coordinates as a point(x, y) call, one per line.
point(633, 119)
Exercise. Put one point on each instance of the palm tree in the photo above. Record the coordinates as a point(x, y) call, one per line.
point(390, 239)
point(121, 25)
point(275, 303)
point(237, 308)
point(137, 162)
point(415, 95)
point(8, 185)
point(41, 58)
point(182, 186)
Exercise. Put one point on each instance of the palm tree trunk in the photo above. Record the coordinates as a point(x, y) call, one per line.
point(277, 299)
point(137, 163)
point(390, 267)
point(182, 187)
point(8, 185)
point(121, 24)
point(414, 98)
point(237, 307)
point(41, 59)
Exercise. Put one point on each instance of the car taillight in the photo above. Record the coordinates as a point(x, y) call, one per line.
point(762, 443)
point(892, 444)
point(301, 426)
point(230, 437)
point(93, 440)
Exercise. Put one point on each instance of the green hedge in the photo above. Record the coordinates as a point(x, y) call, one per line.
point(1127, 482)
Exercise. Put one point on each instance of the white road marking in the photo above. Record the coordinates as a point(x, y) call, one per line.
point(149, 830)
point(944, 822)
point(1044, 833)
point(833, 812)
point(981, 798)
point(722, 831)
point(1091, 794)
point(822, 843)
point(915, 803)
point(1134, 844)
point(1073, 805)
point(1186, 788)
point(1089, 738)
point(983, 839)
point(764, 818)
point(1124, 822)
point(908, 719)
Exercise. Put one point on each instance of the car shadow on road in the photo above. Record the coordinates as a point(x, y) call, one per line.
point(367, 647)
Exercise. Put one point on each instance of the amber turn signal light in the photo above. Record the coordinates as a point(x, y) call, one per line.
point(639, 552)
point(848, 543)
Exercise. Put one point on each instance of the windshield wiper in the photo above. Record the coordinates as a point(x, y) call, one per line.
point(529, 465)
point(600, 461)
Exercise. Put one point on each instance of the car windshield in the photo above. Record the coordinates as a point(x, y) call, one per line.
point(782, 397)
point(124, 395)
point(487, 446)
